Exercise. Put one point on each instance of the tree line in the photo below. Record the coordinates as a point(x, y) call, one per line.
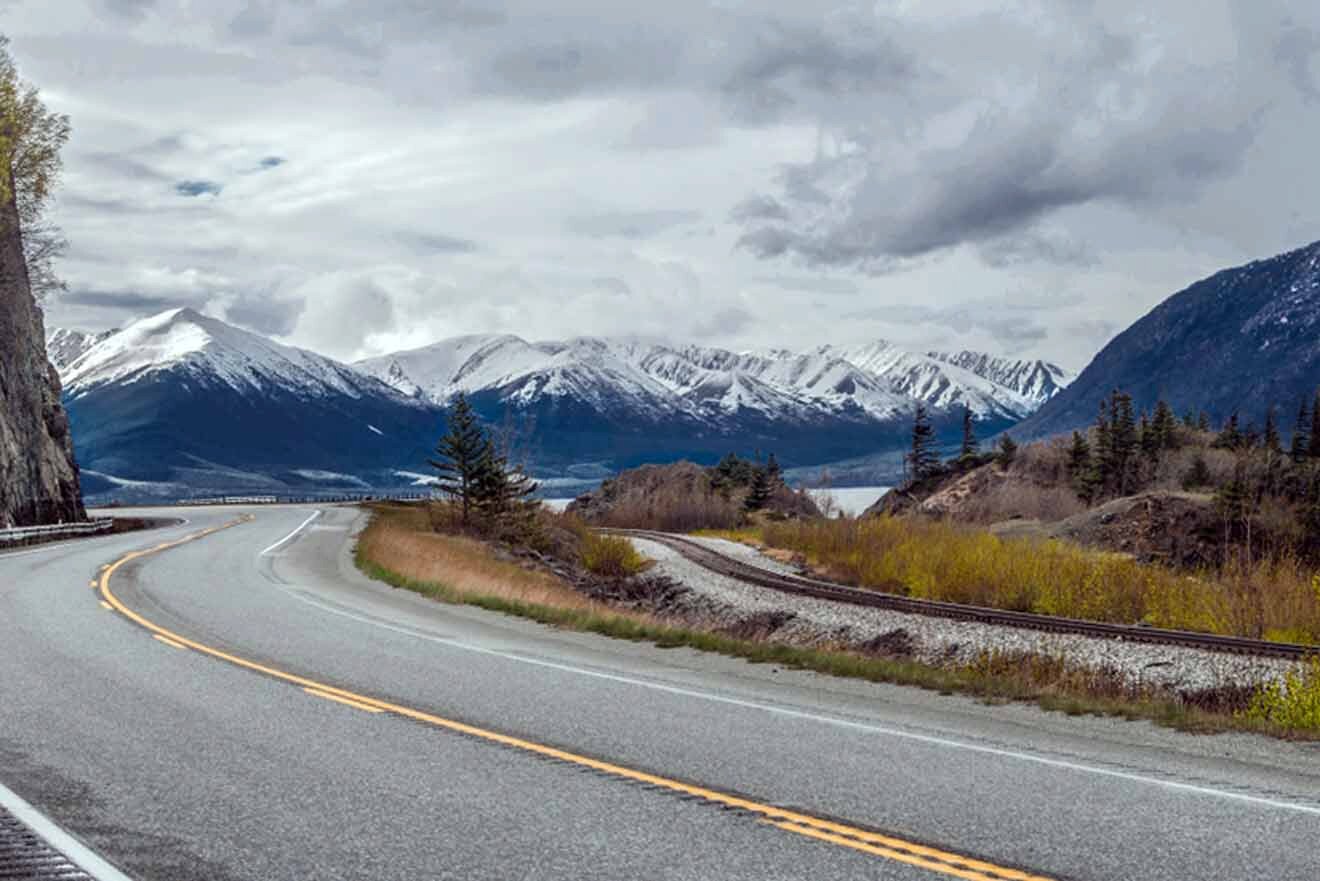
point(761, 480)
point(923, 459)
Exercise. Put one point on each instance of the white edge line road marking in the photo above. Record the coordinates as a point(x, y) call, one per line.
point(72, 848)
point(831, 720)
point(292, 535)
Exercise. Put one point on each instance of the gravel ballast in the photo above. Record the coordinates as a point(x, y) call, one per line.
point(809, 621)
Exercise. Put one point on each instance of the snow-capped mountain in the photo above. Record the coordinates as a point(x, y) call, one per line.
point(877, 381)
point(1035, 381)
point(180, 403)
point(64, 346)
point(214, 352)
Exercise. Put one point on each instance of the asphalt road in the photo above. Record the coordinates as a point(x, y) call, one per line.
point(174, 763)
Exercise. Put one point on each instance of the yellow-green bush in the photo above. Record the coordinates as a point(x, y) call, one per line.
point(944, 561)
point(1293, 703)
point(610, 556)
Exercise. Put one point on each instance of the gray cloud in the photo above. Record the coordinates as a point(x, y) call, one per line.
point(616, 286)
point(425, 244)
point(569, 66)
point(1033, 247)
point(130, 9)
point(1015, 326)
point(130, 301)
point(760, 208)
point(198, 188)
point(789, 64)
point(125, 166)
point(630, 224)
point(878, 195)
point(1296, 50)
point(265, 313)
point(723, 323)
point(811, 284)
point(567, 156)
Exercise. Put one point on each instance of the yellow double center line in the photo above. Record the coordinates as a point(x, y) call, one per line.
point(840, 834)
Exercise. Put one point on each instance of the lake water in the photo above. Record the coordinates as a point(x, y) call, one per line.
point(851, 500)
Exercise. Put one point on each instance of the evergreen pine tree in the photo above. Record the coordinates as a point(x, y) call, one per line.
point(1310, 517)
point(774, 474)
point(1272, 442)
point(1301, 436)
point(1235, 503)
point(1008, 450)
point(970, 445)
point(1104, 453)
point(922, 457)
point(1147, 439)
point(1198, 475)
point(1203, 422)
point(461, 457)
point(1081, 471)
point(1165, 425)
point(759, 494)
point(1250, 437)
point(1123, 442)
point(502, 493)
point(1313, 448)
point(1230, 437)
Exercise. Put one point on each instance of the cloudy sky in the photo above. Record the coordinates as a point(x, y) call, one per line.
point(359, 176)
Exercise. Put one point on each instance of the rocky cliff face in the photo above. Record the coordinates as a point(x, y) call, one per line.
point(38, 477)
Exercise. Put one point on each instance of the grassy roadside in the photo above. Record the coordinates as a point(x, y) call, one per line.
point(398, 548)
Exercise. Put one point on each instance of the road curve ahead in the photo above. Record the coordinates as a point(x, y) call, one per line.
point(238, 702)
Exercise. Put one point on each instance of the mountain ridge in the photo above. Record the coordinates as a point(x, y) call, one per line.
point(181, 399)
point(878, 379)
point(1236, 341)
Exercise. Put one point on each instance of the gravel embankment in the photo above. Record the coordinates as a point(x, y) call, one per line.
point(809, 621)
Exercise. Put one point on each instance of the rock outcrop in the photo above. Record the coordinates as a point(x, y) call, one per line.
point(38, 476)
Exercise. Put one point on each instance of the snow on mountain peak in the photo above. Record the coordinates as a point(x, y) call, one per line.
point(210, 350)
point(879, 379)
point(655, 380)
point(64, 346)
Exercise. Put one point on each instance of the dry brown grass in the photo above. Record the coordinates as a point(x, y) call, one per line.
point(401, 538)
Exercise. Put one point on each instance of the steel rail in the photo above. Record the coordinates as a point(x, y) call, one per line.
point(722, 564)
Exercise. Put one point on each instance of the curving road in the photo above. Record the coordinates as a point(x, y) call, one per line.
point(287, 718)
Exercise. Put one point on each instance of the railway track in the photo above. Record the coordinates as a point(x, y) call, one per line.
point(722, 564)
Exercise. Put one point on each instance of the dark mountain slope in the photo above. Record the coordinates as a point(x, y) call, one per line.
point(182, 404)
point(1237, 341)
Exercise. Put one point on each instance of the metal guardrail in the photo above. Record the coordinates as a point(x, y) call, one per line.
point(54, 530)
point(319, 498)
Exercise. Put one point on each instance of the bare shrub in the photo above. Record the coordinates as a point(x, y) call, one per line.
point(1031, 501)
